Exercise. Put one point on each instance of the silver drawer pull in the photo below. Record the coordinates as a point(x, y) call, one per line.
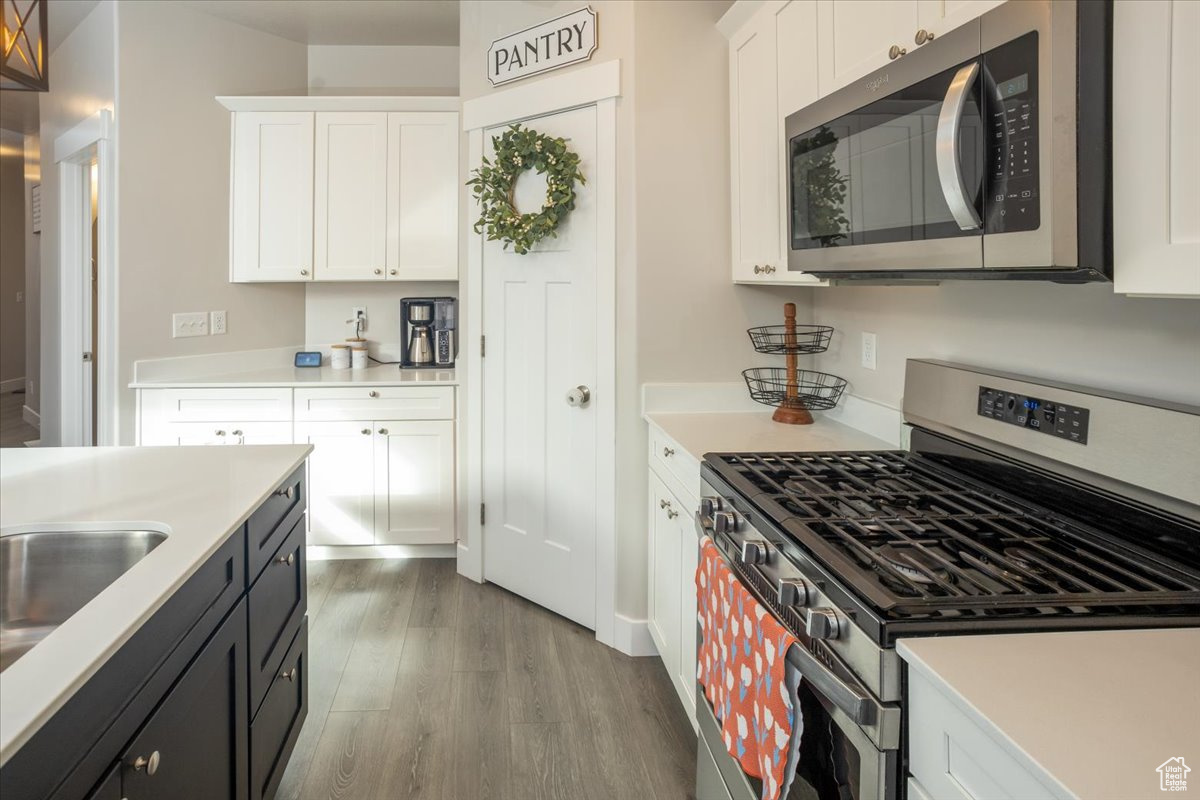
point(372, 393)
point(289, 492)
point(383, 431)
point(290, 675)
point(664, 503)
point(219, 432)
point(365, 431)
point(668, 452)
point(289, 559)
point(672, 514)
point(149, 764)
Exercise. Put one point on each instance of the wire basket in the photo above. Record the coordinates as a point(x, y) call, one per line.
point(814, 390)
point(804, 339)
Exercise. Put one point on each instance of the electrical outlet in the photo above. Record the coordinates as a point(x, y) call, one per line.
point(20, 297)
point(193, 323)
point(217, 323)
point(868, 350)
point(359, 312)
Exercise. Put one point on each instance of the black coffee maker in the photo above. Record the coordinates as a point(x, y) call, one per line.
point(428, 328)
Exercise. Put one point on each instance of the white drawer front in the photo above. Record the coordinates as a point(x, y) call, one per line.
point(216, 433)
point(667, 457)
point(217, 405)
point(951, 757)
point(375, 402)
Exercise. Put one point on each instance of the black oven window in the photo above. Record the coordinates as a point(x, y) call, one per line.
point(871, 176)
point(830, 766)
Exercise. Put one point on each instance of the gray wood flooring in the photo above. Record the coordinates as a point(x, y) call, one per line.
point(427, 685)
point(14, 431)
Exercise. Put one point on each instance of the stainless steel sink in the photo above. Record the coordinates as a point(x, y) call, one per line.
point(46, 576)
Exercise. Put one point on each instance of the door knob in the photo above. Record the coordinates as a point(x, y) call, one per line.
point(579, 396)
point(895, 51)
point(923, 36)
point(149, 764)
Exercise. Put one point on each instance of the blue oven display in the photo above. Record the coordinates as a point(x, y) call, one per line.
point(1057, 419)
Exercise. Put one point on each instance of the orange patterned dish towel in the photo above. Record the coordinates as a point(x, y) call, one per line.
point(742, 666)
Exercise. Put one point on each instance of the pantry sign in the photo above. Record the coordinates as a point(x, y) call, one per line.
point(556, 43)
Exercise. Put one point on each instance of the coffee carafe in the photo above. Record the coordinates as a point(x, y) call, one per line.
point(420, 346)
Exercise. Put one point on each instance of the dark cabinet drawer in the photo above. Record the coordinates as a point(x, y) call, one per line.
point(272, 521)
point(274, 731)
point(110, 786)
point(276, 604)
point(194, 746)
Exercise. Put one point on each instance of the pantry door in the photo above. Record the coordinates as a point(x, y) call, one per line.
point(540, 450)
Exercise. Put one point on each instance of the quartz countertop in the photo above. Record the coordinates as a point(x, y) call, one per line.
point(755, 432)
point(290, 377)
point(198, 496)
point(1097, 711)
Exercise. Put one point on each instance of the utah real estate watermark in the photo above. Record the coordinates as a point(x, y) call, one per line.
point(1172, 775)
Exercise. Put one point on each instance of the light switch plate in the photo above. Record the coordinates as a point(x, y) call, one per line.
point(217, 323)
point(192, 323)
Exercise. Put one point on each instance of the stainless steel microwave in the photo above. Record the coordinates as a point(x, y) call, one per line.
point(985, 153)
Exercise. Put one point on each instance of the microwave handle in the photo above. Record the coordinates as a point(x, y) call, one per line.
point(949, 170)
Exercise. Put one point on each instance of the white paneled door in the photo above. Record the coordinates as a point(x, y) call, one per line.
point(539, 451)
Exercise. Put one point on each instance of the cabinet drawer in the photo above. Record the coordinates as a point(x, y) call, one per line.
point(273, 732)
point(668, 458)
point(376, 402)
point(273, 521)
point(175, 434)
point(275, 606)
point(217, 405)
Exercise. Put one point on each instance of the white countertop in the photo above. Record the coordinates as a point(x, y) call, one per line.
point(756, 432)
point(1098, 711)
point(288, 376)
point(197, 495)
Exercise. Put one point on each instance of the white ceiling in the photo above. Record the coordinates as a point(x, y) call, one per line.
point(345, 22)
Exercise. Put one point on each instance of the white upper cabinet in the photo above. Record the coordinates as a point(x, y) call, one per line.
point(351, 215)
point(423, 190)
point(1156, 164)
point(772, 72)
point(344, 188)
point(939, 16)
point(856, 37)
point(271, 230)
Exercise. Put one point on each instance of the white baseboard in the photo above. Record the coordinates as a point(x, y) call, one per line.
point(317, 552)
point(31, 417)
point(632, 636)
point(11, 385)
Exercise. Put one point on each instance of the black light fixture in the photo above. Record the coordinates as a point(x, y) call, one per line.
point(24, 60)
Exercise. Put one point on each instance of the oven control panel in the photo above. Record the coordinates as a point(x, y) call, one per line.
point(1057, 419)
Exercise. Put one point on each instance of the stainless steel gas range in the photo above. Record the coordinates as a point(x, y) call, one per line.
point(1020, 505)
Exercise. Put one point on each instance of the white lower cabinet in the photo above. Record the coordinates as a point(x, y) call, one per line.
point(673, 553)
point(371, 480)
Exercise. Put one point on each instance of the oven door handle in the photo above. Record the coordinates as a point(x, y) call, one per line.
point(856, 704)
point(949, 169)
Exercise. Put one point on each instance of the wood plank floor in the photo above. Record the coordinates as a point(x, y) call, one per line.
point(14, 431)
point(428, 685)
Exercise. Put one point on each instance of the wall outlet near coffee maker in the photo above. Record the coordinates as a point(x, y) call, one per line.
point(428, 328)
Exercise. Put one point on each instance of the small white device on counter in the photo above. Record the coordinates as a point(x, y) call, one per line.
point(339, 357)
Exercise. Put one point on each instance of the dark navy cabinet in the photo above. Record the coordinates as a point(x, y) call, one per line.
point(206, 700)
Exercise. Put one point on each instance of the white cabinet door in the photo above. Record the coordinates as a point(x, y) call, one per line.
point(1156, 164)
point(271, 219)
point(689, 560)
point(414, 477)
point(855, 37)
point(940, 16)
point(350, 229)
point(755, 150)
point(664, 574)
point(341, 481)
point(422, 196)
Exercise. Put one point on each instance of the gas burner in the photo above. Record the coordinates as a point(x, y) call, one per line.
point(915, 564)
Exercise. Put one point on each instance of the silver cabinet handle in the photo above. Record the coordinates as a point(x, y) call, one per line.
point(290, 675)
point(769, 269)
point(393, 272)
point(668, 452)
point(365, 431)
point(237, 433)
point(672, 514)
point(219, 432)
point(949, 171)
point(372, 393)
point(757, 269)
point(289, 492)
point(895, 51)
point(303, 272)
point(383, 431)
point(923, 36)
point(289, 559)
point(378, 272)
point(149, 764)
point(664, 503)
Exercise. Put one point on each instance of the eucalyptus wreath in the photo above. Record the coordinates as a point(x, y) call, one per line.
point(517, 150)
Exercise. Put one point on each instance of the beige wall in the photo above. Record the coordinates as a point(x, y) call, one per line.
point(173, 184)
point(1081, 334)
point(83, 81)
point(33, 280)
point(12, 260)
point(336, 69)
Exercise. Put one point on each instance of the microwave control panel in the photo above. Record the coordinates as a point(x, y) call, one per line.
point(1057, 419)
point(1012, 200)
